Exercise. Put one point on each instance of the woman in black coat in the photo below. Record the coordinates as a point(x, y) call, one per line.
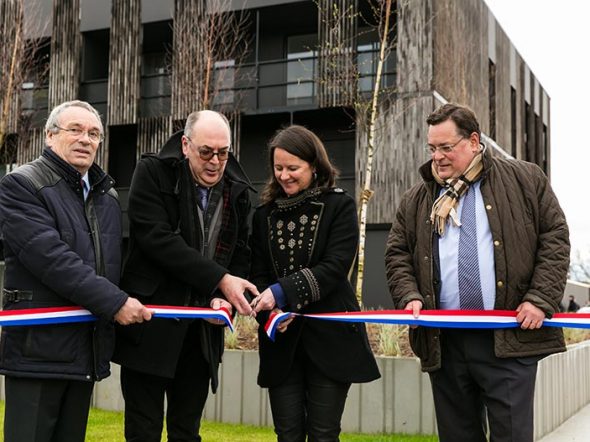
point(304, 242)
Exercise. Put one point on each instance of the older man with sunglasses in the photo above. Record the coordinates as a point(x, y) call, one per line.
point(188, 209)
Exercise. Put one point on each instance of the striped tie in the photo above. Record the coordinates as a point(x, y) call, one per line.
point(470, 295)
point(203, 197)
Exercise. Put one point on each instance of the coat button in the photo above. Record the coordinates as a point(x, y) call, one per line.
point(496, 243)
point(488, 206)
point(500, 284)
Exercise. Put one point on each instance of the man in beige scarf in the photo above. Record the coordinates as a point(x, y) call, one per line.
point(479, 233)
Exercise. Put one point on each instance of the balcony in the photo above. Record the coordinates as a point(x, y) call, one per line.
point(268, 86)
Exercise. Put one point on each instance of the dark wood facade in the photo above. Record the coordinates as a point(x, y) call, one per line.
point(188, 57)
point(124, 59)
point(64, 67)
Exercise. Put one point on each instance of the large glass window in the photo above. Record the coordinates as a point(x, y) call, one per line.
point(224, 82)
point(301, 68)
point(368, 47)
point(155, 69)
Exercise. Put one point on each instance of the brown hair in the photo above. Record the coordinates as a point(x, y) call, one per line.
point(462, 116)
point(304, 144)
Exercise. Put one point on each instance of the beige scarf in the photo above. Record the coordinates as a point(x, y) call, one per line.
point(446, 204)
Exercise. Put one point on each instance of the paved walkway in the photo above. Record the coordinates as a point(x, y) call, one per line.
point(576, 428)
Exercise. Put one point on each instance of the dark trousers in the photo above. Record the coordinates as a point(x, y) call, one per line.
point(186, 394)
point(307, 403)
point(473, 383)
point(46, 410)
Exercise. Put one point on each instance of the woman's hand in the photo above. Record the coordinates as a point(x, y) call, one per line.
point(265, 301)
point(282, 327)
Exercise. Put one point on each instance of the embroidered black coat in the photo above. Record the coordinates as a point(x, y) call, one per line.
point(165, 266)
point(308, 244)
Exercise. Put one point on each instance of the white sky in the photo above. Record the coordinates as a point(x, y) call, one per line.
point(553, 38)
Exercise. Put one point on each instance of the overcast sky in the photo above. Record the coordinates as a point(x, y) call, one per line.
point(553, 37)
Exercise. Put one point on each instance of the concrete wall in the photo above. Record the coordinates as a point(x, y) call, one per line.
point(399, 402)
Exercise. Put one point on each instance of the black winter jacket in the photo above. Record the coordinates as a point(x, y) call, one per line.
point(60, 251)
point(165, 265)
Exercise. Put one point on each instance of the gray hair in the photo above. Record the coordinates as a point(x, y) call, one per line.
point(194, 117)
point(52, 120)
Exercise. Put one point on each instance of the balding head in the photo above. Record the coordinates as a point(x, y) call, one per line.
point(206, 141)
point(205, 117)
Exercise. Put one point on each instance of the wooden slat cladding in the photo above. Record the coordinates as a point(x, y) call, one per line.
point(337, 79)
point(187, 60)
point(102, 154)
point(461, 30)
point(11, 52)
point(66, 41)
point(30, 145)
point(124, 59)
point(152, 134)
point(401, 134)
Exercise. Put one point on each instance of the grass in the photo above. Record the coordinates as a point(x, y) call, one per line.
point(107, 426)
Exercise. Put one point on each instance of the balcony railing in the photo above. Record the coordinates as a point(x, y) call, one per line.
point(259, 86)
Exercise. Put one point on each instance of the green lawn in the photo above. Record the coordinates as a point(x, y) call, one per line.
point(106, 426)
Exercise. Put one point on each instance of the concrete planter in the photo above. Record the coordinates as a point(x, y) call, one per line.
point(399, 402)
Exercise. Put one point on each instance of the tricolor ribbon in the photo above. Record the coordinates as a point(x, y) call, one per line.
point(434, 318)
point(61, 315)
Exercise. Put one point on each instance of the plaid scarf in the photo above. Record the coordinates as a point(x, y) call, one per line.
point(446, 204)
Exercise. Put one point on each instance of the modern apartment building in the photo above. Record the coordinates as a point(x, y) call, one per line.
point(140, 63)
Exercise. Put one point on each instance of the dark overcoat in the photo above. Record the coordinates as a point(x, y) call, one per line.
point(165, 266)
point(308, 244)
point(60, 250)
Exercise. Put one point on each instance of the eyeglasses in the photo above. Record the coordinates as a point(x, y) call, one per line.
point(94, 135)
point(206, 153)
point(444, 149)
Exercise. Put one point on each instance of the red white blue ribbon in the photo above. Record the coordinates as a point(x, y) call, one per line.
point(435, 318)
point(61, 315)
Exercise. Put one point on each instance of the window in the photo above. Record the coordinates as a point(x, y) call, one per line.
point(492, 98)
point(155, 69)
point(368, 48)
point(224, 80)
point(513, 122)
point(301, 68)
point(95, 64)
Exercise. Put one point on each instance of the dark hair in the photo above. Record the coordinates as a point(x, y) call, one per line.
point(462, 116)
point(304, 144)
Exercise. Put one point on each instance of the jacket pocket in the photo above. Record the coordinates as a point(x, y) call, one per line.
point(55, 343)
point(419, 342)
point(538, 335)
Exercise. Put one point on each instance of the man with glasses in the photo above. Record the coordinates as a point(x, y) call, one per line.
point(188, 209)
point(61, 229)
point(480, 232)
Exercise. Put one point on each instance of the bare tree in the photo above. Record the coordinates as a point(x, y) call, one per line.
point(580, 267)
point(12, 52)
point(20, 66)
point(384, 27)
point(353, 75)
point(210, 43)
